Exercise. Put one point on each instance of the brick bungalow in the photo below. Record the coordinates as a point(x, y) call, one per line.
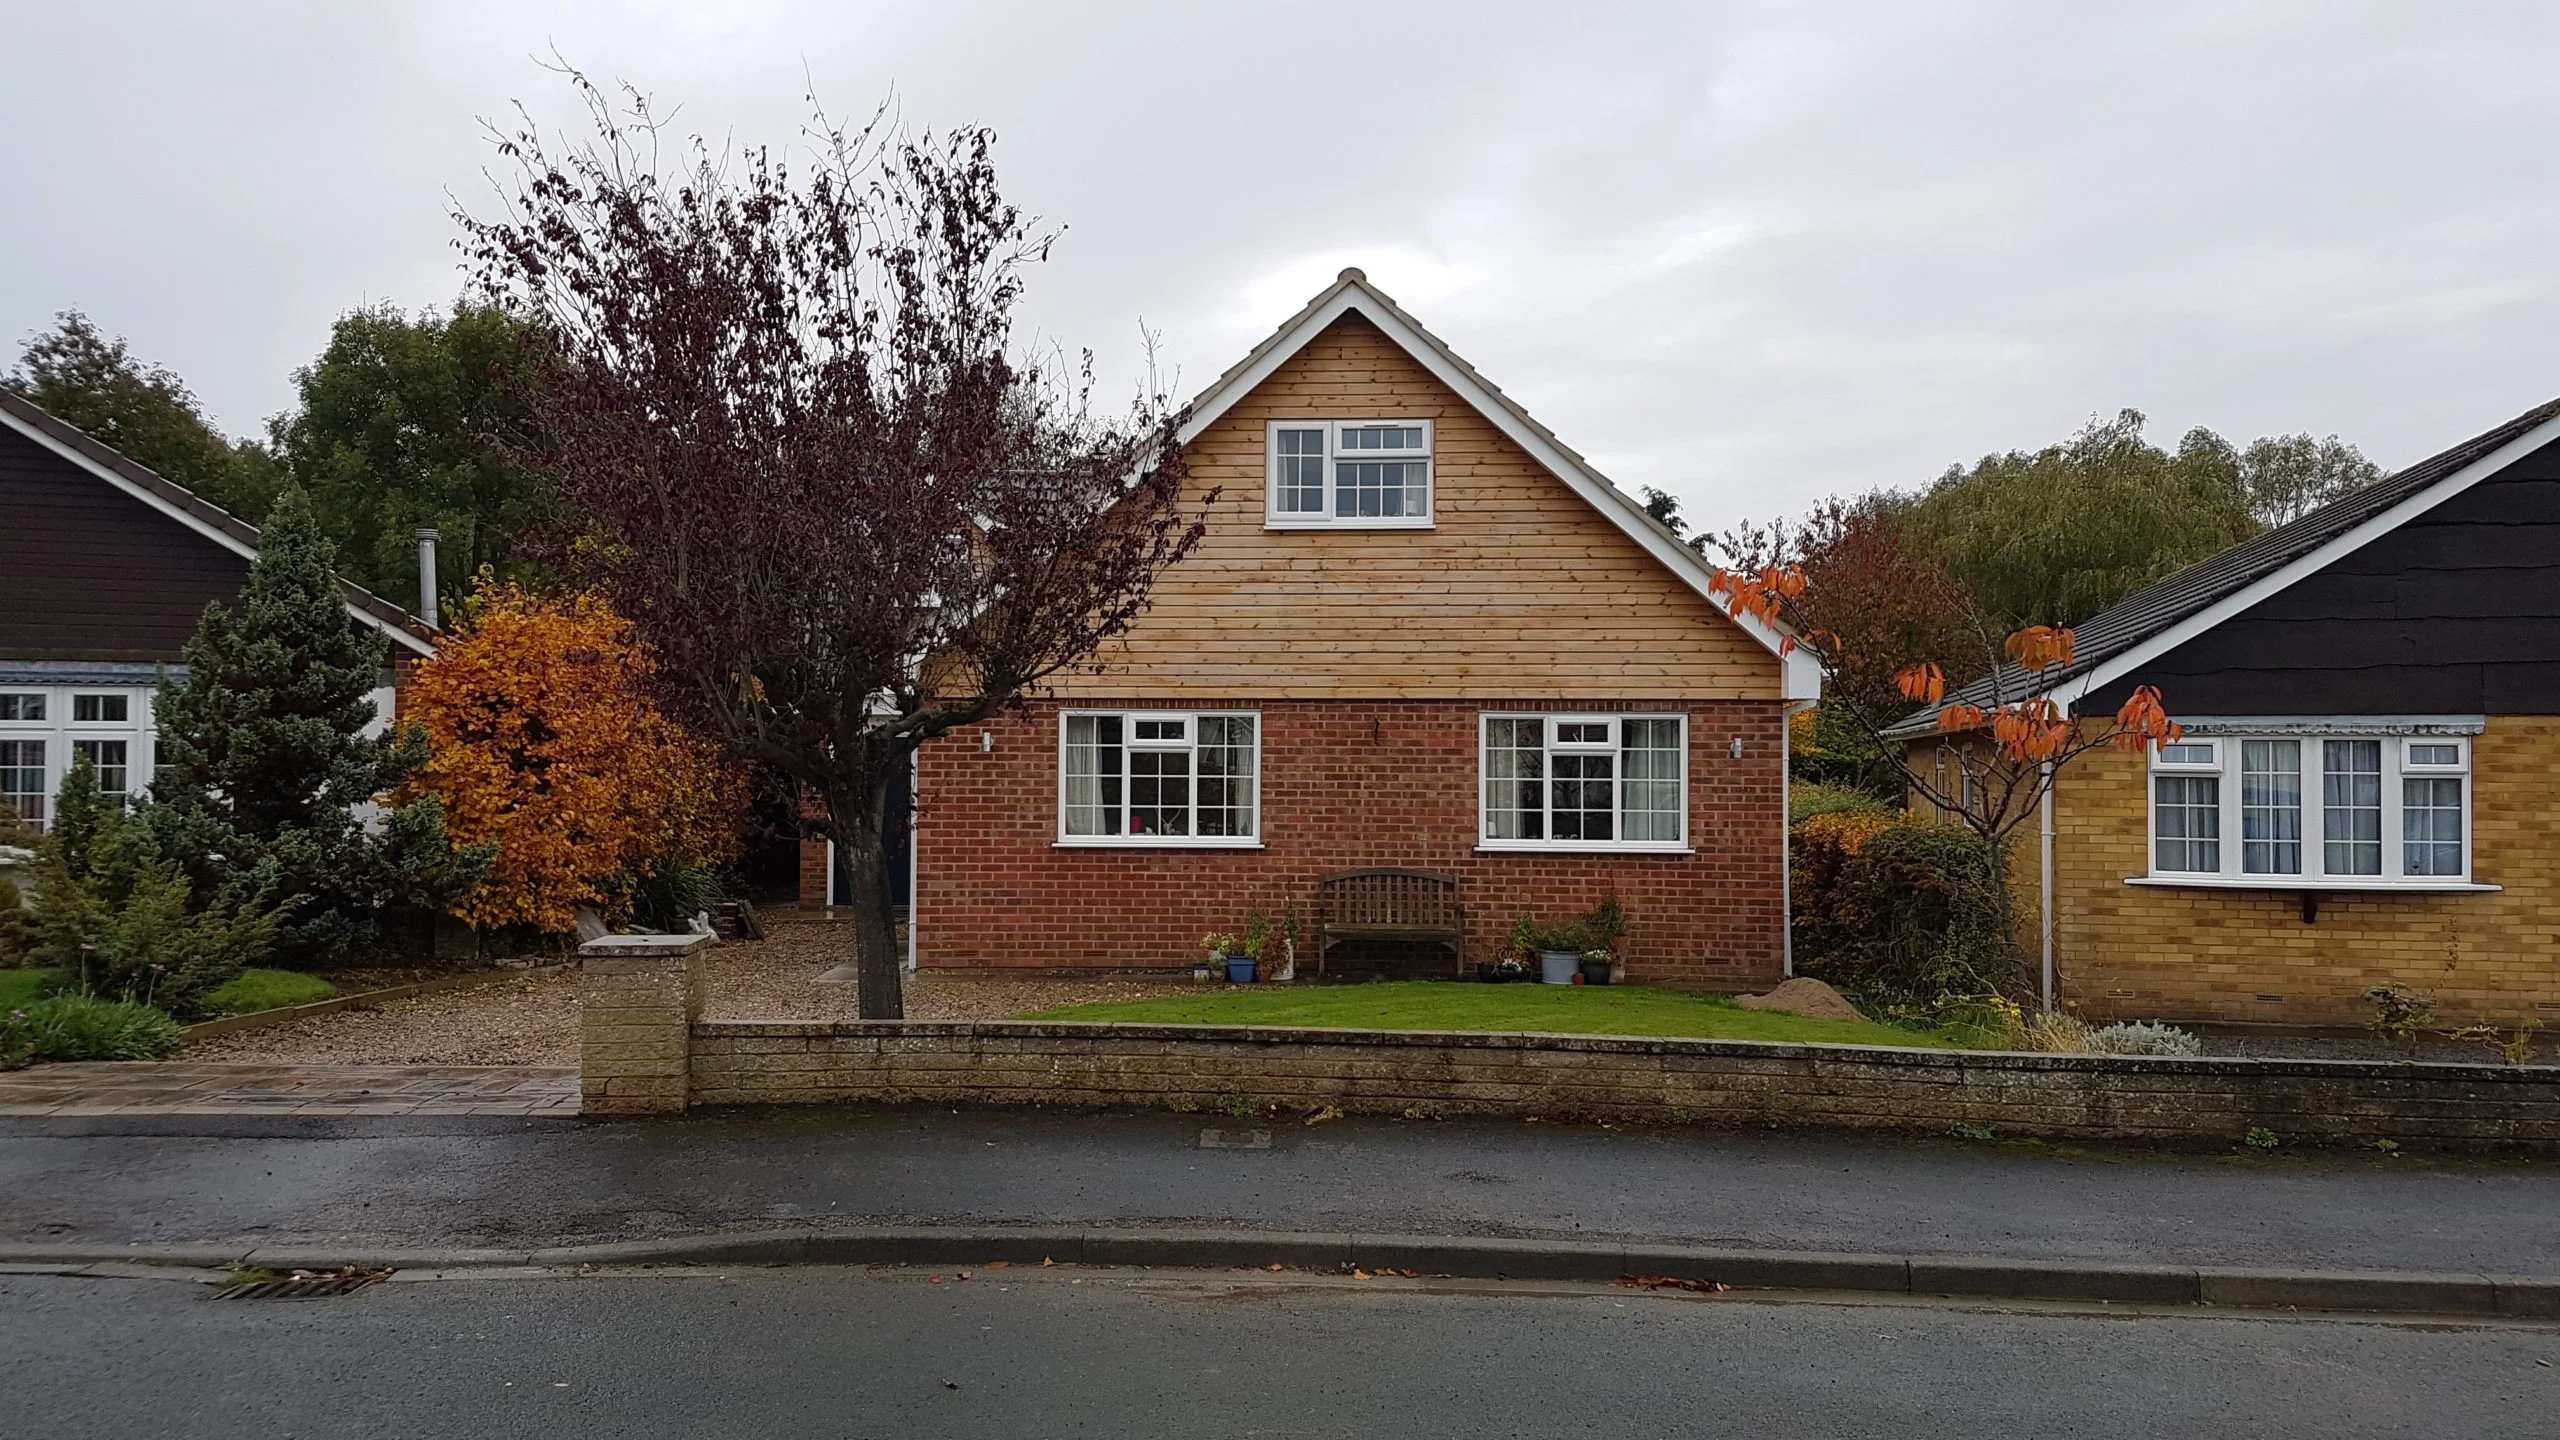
point(1421, 632)
point(2368, 789)
point(105, 568)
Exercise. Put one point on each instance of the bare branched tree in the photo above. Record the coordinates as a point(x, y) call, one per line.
point(804, 453)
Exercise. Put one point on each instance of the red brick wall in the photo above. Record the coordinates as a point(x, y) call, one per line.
point(1344, 784)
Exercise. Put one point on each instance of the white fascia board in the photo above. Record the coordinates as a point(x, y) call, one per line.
point(2116, 667)
point(1801, 674)
point(192, 521)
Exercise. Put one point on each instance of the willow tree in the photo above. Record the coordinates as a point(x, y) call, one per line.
point(845, 509)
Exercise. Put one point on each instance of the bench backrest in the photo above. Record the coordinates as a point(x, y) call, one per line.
point(1401, 898)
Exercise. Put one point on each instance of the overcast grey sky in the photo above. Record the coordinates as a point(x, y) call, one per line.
point(1751, 253)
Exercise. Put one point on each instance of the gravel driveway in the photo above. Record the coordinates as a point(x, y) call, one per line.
point(533, 1020)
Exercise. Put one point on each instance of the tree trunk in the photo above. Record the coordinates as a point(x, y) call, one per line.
point(862, 828)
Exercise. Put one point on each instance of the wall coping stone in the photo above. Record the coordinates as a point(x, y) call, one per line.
point(608, 947)
point(2436, 1071)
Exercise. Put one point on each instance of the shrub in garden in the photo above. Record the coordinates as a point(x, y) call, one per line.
point(116, 920)
point(2143, 1037)
point(85, 1027)
point(1819, 849)
point(1912, 913)
point(547, 745)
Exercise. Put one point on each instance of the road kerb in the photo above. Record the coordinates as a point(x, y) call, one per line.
point(1455, 1257)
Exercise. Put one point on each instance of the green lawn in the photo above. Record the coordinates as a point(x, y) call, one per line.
point(18, 987)
point(270, 990)
point(254, 990)
point(1459, 1005)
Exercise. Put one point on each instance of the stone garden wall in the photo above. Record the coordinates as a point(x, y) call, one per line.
point(646, 1052)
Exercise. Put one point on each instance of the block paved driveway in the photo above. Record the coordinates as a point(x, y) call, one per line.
point(178, 1087)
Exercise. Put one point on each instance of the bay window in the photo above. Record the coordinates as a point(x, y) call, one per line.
point(1155, 777)
point(2393, 808)
point(1584, 782)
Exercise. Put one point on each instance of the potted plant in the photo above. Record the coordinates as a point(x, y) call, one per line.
point(1272, 945)
point(1602, 927)
point(1228, 953)
point(1559, 949)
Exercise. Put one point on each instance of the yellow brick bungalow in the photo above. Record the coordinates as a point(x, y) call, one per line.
point(2368, 787)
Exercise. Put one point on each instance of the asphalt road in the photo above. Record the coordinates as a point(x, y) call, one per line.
point(520, 1184)
point(831, 1353)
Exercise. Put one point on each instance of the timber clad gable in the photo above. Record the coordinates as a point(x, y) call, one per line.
point(90, 573)
point(1518, 586)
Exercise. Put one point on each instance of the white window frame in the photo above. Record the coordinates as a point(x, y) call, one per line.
point(1190, 744)
point(1553, 719)
point(1274, 518)
point(61, 734)
point(2395, 748)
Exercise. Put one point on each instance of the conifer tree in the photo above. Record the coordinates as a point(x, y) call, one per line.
point(266, 776)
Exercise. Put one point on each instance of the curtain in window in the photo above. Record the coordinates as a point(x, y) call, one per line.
point(1093, 775)
point(2431, 825)
point(1227, 764)
point(2187, 809)
point(1651, 792)
point(1514, 777)
point(2351, 806)
point(2271, 807)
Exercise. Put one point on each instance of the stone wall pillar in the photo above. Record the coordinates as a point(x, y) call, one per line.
point(641, 996)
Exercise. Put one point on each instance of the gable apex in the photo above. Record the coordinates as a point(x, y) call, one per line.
point(177, 503)
point(1351, 293)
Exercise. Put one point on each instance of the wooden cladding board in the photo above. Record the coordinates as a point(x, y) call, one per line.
point(1521, 587)
point(87, 572)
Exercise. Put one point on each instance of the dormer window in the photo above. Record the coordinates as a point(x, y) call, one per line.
point(1357, 474)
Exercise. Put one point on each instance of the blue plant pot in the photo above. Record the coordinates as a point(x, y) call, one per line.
point(1240, 969)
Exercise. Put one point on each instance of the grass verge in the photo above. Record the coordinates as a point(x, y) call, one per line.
point(1459, 1005)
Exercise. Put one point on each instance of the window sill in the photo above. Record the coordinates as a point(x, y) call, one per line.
point(1155, 842)
point(2326, 884)
point(1277, 523)
point(1547, 847)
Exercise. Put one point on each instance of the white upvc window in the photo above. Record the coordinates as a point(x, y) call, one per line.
point(1349, 474)
point(1584, 782)
point(1159, 777)
point(2362, 809)
point(44, 727)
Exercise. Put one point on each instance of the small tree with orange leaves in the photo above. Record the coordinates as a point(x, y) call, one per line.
point(1995, 762)
point(2002, 756)
point(545, 742)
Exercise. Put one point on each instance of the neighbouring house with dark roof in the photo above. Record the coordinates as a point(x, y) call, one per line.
point(105, 568)
point(2368, 788)
point(1421, 635)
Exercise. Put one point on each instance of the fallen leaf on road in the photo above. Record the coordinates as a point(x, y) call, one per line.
point(998, 1264)
point(1275, 1267)
point(1359, 1274)
point(1330, 1112)
point(964, 1274)
point(937, 1279)
point(1668, 1282)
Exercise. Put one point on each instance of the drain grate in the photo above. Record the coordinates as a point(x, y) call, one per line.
point(303, 1285)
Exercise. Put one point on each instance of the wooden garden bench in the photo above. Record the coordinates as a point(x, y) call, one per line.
point(1388, 904)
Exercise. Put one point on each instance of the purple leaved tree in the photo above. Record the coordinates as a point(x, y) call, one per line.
point(806, 456)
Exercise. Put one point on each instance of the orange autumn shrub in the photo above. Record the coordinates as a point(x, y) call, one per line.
point(545, 740)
